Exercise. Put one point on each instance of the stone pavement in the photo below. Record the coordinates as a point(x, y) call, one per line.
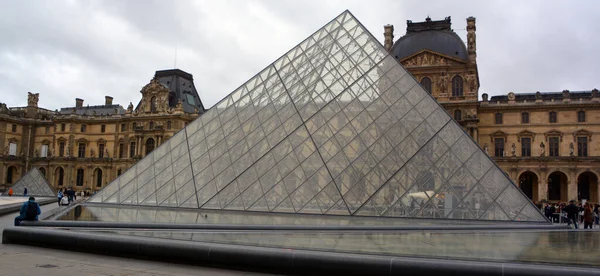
point(29, 260)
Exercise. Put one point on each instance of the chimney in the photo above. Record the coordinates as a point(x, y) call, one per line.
point(388, 34)
point(108, 100)
point(471, 43)
point(78, 103)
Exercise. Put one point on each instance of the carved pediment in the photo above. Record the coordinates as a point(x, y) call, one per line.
point(429, 58)
point(553, 133)
point(498, 134)
point(155, 98)
point(582, 132)
point(526, 133)
point(101, 141)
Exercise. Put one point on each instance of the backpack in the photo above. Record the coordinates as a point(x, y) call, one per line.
point(32, 211)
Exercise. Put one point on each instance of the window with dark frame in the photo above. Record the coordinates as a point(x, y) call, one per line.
point(526, 146)
point(80, 173)
point(582, 146)
point(426, 83)
point(525, 118)
point(498, 118)
point(121, 150)
point(62, 127)
point(581, 116)
point(169, 125)
point(118, 172)
point(457, 115)
point(47, 130)
point(457, 86)
point(103, 128)
point(14, 128)
point(123, 127)
point(498, 147)
point(553, 144)
point(61, 176)
point(83, 127)
point(81, 150)
point(61, 148)
point(132, 149)
point(552, 117)
point(151, 126)
point(101, 150)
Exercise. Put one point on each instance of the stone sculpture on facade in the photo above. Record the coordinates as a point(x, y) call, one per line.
point(32, 99)
point(513, 150)
point(442, 83)
point(542, 149)
point(571, 149)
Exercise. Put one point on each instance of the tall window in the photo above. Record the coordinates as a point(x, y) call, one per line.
point(123, 127)
point(582, 146)
point(457, 86)
point(498, 147)
point(101, 150)
point(47, 130)
point(103, 128)
point(98, 178)
point(168, 124)
point(62, 127)
point(79, 180)
point(12, 149)
point(553, 146)
point(552, 117)
point(153, 104)
point(81, 150)
point(151, 126)
point(525, 146)
point(121, 150)
point(83, 127)
point(118, 172)
point(457, 115)
point(14, 128)
point(43, 171)
point(133, 126)
point(131, 149)
point(61, 148)
point(10, 174)
point(581, 116)
point(426, 83)
point(149, 145)
point(60, 172)
point(525, 118)
point(44, 151)
point(498, 118)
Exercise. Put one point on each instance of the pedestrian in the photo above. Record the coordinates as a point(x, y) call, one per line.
point(588, 216)
point(572, 211)
point(10, 192)
point(25, 192)
point(30, 210)
point(548, 211)
point(70, 195)
point(597, 214)
point(60, 196)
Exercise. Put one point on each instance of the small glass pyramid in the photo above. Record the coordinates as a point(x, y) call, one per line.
point(335, 126)
point(36, 185)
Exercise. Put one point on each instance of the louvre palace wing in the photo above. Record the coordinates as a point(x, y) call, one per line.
point(36, 184)
point(335, 126)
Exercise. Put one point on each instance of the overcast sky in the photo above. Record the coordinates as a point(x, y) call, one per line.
point(65, 49)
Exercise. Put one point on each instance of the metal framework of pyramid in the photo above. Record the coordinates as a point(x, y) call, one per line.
point(335, 126)
point(36, 184)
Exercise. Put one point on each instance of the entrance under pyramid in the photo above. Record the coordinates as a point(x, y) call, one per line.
point(336, 126)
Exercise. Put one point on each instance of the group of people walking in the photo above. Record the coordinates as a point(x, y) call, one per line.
point(68, 196)
point(575, 214)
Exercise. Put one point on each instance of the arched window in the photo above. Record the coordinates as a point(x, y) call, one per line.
point(43, 171)
point(10, 174)
point(149, 145)
point(60, 176)
point(79, 180)
point(153, 104)
point(457, 86)
point(98, 177)
point(426, 83)
point(457, 115)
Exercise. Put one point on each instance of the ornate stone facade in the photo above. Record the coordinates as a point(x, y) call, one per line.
point(87, 147)
point(545, 142)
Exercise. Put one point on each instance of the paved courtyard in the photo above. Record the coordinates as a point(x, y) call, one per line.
point(28, 260)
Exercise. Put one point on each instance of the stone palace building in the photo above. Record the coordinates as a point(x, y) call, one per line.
point(544, 141)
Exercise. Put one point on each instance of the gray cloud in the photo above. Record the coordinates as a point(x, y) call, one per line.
point(67, 49)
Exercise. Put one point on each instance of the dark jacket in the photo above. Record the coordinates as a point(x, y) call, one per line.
point(572, 211)
point(23, 211)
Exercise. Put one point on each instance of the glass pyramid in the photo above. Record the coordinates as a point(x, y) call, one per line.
point(335, 126)
point(36, 184)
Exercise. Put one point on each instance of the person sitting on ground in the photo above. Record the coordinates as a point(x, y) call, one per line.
point(30, 210)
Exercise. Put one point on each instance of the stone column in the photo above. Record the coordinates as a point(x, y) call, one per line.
point(543, 186)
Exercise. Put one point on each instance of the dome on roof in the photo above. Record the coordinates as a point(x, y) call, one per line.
point(440, 41)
